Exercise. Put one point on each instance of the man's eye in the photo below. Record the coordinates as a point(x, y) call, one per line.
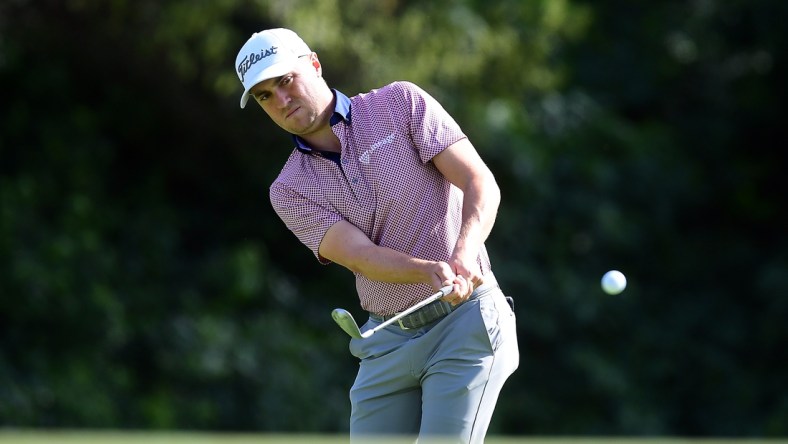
point(286, 80)
point(262, 97)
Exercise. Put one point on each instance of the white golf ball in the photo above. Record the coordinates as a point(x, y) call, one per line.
point(614, 282)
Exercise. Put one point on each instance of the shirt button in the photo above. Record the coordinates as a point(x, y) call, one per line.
point(355, 180)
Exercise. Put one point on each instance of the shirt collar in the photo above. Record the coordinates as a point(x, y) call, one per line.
point(341, 113)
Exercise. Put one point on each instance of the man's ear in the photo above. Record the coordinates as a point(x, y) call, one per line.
point(316, 64)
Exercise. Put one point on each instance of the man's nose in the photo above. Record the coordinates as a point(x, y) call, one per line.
point(282, 98)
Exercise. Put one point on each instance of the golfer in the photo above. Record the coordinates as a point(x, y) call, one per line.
point(387, 185)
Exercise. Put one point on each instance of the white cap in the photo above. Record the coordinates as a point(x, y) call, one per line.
point(268, 54)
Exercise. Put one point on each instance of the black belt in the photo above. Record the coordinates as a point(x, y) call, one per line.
point(432, 312)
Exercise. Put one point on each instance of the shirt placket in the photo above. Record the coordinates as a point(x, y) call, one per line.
point(353, 175)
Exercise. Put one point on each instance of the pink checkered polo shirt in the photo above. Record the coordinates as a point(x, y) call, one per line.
point(384, 183)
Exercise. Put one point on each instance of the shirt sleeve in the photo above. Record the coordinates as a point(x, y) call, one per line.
point(431, 128)
point(306, 216)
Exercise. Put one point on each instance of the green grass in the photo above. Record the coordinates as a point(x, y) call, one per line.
point(142, 437)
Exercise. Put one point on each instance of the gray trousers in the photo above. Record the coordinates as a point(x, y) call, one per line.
point(440, 381)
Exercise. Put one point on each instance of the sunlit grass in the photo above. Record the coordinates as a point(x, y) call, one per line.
point(118, 437)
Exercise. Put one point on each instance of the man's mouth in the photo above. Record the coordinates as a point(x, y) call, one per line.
point(292, 111)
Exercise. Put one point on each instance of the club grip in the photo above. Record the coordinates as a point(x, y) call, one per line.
point(446, 290)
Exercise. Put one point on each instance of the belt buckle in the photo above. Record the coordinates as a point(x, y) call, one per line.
point(401, 325)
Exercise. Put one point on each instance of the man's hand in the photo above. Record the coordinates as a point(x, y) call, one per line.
point(442, 275)
point(462, 290)
point(467, 278)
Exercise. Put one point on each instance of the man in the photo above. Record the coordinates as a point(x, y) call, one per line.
point(387, 185)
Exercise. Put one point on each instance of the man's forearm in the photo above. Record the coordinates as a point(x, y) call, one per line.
point(386, 265)
point(479, 211)
point(348, 246)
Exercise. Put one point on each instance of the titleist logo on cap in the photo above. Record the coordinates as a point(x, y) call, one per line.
point(252, 58)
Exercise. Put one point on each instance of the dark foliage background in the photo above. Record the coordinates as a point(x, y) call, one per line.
point(146, 283)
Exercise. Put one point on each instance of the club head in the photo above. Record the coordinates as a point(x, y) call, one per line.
point(346, 322)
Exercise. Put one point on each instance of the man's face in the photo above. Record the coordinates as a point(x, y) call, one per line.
point(297, 101)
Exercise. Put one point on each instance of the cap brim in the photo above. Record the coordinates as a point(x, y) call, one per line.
point(276, 70)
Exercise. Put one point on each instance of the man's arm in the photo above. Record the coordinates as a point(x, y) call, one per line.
point(462, 166)
point(348, 246)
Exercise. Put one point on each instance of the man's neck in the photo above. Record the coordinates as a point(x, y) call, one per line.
point(324, 140)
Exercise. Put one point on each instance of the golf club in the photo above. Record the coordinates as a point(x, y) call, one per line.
point(345, 320)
